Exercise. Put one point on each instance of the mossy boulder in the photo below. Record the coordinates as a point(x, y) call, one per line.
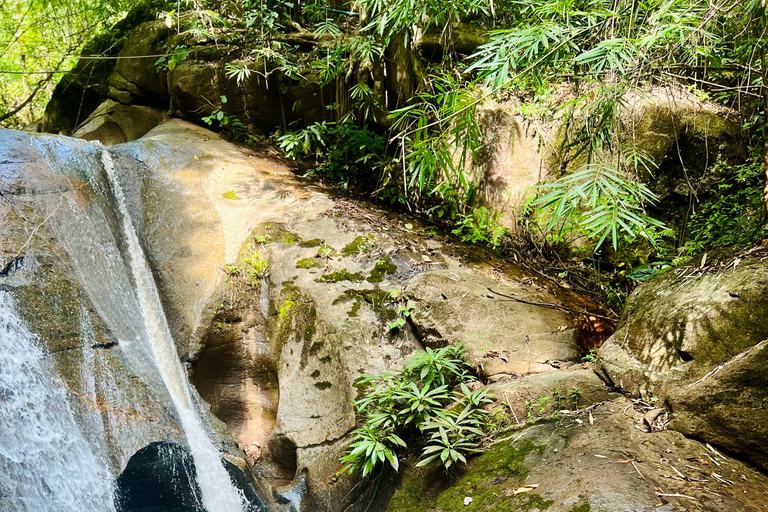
point(694, 338)
point(596, 462)
point(139, 80)
point(86, 86)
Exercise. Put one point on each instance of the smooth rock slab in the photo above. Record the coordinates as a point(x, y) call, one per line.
point(508, 328)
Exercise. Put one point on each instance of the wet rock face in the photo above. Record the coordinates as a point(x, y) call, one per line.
point(508, 328)
point(115, 409)
point(161, 476)
point(695, 339)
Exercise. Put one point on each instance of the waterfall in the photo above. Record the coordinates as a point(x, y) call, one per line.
point(45, 462)
point(219, 493)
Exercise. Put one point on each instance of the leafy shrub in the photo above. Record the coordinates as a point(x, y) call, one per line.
point(735, 216)
point(600, 201)
point(419, 399)
point(175, 57)
point(481, 226)
point(341, 148)
point(231, 125)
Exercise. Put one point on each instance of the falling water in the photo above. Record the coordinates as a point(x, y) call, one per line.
point(45, 462)
point(219, 494)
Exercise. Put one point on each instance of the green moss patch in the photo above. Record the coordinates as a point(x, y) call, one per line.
point(487, 480)
point(326, 250)
point(382, 268)
point(309, 263)
point(315, 242)
point(378, 299)
point(340, 275)
point(359, 245)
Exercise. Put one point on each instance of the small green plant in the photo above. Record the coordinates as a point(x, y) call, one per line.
point(528, 408)
point(256, 266)
point(175, 57)
point(543, 404)
point(240, 72)
point(288, 238)
point(559, 398)
point(590, 356)
point(539, 408)
point(417, 400)
point(230, 124)
point(647, 271)
point(481, 226)
point(575, 396)
point(404, 312)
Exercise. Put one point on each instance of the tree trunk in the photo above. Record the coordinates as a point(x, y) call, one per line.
point(765, 190)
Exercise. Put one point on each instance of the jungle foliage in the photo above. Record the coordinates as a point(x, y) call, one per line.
point(39, 41)
point(405, 125)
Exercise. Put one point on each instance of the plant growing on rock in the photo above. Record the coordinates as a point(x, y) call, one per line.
point(419, 401)
point(400, 322)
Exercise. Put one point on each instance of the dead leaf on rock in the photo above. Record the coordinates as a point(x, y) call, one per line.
point(520, 490)
point(654, 420)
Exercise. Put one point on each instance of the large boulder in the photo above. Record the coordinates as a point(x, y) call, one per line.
point(686, 137)
point(114, 123)
point(692, 142)
point(596, 461)
point(87, 85)
point(199, 87)
point(281, 308)
point(136, 78)
point(694, 338)
point(508, 328)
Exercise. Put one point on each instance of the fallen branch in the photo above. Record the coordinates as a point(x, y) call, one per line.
point(676, 496)
point(552, 306)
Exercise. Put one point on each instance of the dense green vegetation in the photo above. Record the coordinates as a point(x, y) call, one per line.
point(39, 41)
point(404, 122)
point(427, 400)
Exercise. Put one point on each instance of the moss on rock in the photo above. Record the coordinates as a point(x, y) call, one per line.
point(340, 275)
point(309, 263)
point(378, 299)
point(315, 242)
point(489, 480)
point(383, 267)
point(359, 245)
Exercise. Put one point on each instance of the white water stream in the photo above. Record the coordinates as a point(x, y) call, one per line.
point(46, 464)
point(219, 494)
